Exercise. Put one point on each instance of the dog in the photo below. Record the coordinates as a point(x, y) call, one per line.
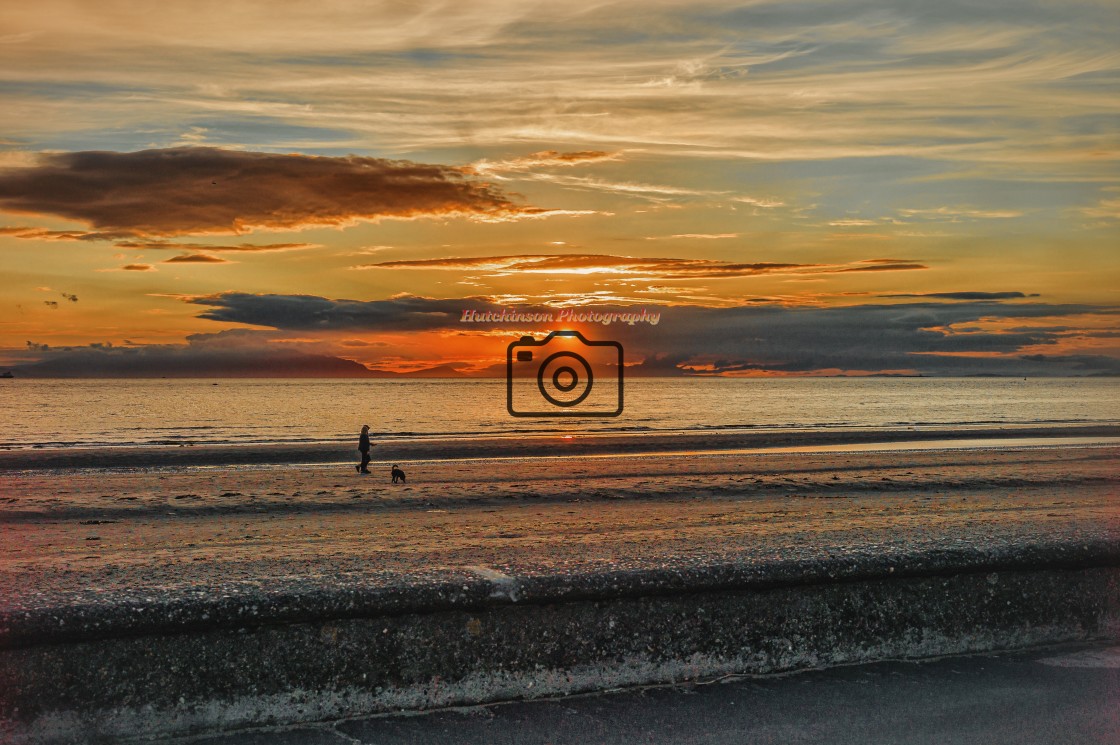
point(398, 475)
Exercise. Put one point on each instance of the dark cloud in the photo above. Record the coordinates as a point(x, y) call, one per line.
point(243, 247)
point(309, 312)
point(926, 337)
point(137, 268)
point(210, 190)
point(880, 267)
point(52, 304)
point(42, 234)
point(71, 298)
point(961, 295)
point(361, 343)
point(919, 337)
point(196, 259)
point(648, 267)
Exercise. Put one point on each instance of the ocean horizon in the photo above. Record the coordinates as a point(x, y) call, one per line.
point(138, 412)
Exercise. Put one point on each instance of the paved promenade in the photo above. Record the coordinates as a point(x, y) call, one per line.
point(1042, 697)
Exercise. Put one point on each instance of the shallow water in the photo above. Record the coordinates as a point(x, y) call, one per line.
point(138, 412)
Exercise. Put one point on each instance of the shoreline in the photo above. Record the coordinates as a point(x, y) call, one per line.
point(550, 445)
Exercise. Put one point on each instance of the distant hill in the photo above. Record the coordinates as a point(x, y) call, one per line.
point(439, 371)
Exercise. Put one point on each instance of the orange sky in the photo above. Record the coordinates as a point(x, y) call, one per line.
point(797, 188)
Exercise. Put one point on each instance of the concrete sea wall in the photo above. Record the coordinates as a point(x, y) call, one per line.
point(114, 672)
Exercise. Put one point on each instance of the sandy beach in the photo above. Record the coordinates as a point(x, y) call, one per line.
point(99, 537)
point(204, 598)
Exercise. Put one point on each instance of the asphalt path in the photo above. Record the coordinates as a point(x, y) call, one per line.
point(1056, 696)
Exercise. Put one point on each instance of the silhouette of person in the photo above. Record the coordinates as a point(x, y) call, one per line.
point(363, 448)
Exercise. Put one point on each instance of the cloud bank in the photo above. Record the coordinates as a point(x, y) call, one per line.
point(312, 313)
point(305, 335)
point(929, 338)
point(200, 190)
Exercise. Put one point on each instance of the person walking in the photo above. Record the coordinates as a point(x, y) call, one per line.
point(363, 448)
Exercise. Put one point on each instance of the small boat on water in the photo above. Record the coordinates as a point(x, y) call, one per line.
point(7, 374)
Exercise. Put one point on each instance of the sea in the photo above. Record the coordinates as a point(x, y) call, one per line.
point(136, 412)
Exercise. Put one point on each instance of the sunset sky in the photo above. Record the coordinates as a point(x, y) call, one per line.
point(261, 187)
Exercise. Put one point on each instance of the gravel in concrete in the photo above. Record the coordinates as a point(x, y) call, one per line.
point(1042, 697)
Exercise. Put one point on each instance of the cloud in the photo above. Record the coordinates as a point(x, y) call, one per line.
point(650, 267)
point(852, 222)
point(310, 313)
point(543, 159)
point(968, 337)
point(52, 304)
point(196, 259)
point(650, 192)
point(961, 295)
point(1108, 209)
point(920, 337)
point(200, 190)
point(138, 268)
point(970, 82)
point(358, 343)
point(930, 338)
point(890, 266)
point(693, 236)
point(240, 247)
point(955, 213)
point(42, 234)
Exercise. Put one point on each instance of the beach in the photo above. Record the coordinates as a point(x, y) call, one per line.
point(215, 588)
point(98, 537)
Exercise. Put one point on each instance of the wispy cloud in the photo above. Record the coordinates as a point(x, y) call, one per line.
point(647, 191)
point(1106, 209)
point(959, 295)
point(649, 267)
point(766, 80)
point(957, 213)
point(542, 159)
point(693, 236)
point(240, 247)
point(43, 234)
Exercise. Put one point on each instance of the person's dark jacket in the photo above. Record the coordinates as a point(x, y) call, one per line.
point(363, 442)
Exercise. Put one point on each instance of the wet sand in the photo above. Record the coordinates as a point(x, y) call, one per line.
point(554, 445)
point(102, 537)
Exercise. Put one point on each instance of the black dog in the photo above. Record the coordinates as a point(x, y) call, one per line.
point(398, 475)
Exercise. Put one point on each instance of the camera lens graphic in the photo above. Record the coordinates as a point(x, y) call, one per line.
point(561, 372)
